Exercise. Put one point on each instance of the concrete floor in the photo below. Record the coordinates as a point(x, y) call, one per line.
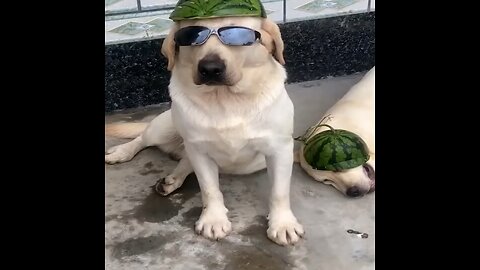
point(146, 231)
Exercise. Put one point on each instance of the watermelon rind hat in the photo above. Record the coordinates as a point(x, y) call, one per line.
point(333, 149)
point(207, 9)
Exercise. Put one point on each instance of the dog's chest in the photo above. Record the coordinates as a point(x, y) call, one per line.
point(230, 140)
point(233, 143)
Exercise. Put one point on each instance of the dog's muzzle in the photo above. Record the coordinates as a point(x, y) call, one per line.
point(211, 71)
point(355, 191)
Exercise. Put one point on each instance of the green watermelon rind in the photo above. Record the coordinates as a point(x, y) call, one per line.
point(205, 9)
point(318, 152)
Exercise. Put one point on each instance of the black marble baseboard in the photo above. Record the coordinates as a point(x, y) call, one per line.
point(136, 73)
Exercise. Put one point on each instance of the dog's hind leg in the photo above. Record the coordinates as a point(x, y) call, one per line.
point(160, 132)
point(124, 152)
point(174, 180)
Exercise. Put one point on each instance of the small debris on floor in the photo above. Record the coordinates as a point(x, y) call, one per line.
point(359, 234)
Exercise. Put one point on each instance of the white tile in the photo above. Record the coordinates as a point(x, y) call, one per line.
point(274, 10)
point(295, 14)
point(158, 3)
point(120, 5)
point(358, 7)
point(157, 28)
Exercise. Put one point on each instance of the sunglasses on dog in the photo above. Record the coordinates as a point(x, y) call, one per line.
point(228, 35)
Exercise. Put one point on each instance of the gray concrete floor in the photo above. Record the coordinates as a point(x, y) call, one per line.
point(146, 231)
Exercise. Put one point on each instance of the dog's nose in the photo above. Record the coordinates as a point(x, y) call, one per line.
point(353, 191)
point(211, 69)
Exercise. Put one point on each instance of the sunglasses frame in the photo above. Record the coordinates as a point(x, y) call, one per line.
point(214, 31)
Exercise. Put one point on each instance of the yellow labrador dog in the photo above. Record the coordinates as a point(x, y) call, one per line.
point(354, 112)
point(230, 114)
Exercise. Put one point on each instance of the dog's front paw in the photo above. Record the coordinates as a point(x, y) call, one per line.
point(283, 228)
point(213, 223)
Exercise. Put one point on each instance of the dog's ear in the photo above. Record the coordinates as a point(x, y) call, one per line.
point(168, 46)
point(272, 39)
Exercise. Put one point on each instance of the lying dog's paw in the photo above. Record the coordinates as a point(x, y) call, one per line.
point(284, 229)
point(168, 185)
point(117, 154)
point(213, 223)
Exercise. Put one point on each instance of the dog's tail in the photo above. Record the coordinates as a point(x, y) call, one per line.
point(125, 130)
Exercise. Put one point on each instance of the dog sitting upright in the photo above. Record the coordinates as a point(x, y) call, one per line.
point(230, 113)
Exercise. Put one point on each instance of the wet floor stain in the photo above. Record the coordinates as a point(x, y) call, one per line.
point(250, 258)
point(157, 208)
point(263, 254)
point(141, 245)
point(147, 172)
point(148, 165)
point(148, 168)
point(191, 216)
point(275, 255)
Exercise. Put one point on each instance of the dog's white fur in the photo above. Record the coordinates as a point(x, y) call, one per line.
point(236, 129)
point(354, 112)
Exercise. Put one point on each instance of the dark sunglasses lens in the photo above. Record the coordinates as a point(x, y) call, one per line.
point(192, 35)
point(237, 36)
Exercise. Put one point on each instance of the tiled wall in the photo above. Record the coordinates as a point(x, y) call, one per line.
point(322, 38)
point(136, 73)
point(124, 22)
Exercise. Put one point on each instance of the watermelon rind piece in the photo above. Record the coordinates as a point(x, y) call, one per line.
point(206, 9)
point(335, 150)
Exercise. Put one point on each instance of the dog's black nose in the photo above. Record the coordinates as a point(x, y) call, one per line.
point(353, 192)
point(211, 69)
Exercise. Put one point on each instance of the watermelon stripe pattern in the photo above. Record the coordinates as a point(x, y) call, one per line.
point(203, 9)
point(335, 150)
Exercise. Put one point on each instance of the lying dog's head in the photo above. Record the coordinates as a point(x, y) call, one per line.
point(215, 63)
point(354, 182)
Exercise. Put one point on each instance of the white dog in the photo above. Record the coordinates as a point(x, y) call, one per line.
point(230, 114)
point(354, 112)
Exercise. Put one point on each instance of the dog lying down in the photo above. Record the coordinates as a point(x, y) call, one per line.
point(354, 112)
point(230, 114)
